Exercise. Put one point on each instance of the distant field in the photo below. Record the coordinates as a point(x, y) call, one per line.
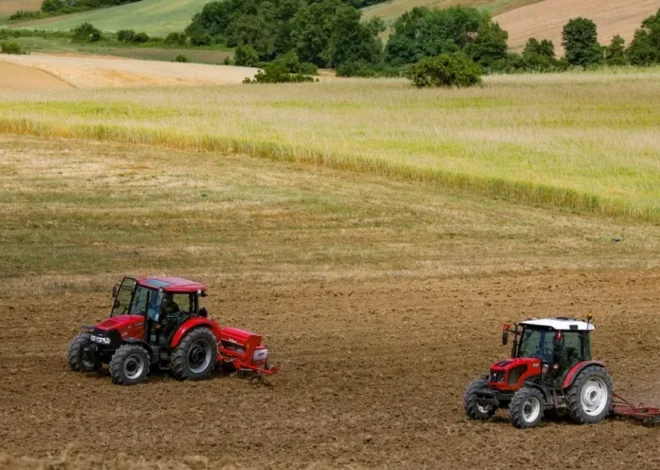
point(156, 17)
point(102, 72)
point(584, 141)
point(9, 7)
point(545, 20)
point(391, 10)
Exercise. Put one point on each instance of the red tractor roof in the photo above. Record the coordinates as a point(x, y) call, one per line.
point(172, 284)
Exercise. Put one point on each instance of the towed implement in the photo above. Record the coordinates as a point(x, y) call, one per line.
point(550, 370)
point(158, 323)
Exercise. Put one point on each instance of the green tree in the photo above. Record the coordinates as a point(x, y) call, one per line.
point(85, 32)
point(580, 40)
point(456, 70)
point(424, 32)
point(490, 46)
point(543, 48)
point(246, 56)
point(615, 53)
point(645, 46)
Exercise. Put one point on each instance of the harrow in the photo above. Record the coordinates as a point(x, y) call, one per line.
point(648, 415)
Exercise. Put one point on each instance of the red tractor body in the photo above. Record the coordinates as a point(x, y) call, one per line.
point(550, 369)
point(158, 322)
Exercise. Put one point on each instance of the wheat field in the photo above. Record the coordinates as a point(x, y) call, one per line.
point(581, 141)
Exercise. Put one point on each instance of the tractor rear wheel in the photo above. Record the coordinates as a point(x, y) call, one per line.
point(129, 365)
point(474, 410)
point(526, 408)
point(590, 396)
point(195, 356)
point(76, 362)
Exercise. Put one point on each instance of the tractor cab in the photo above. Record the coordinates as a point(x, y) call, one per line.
point(558, 343)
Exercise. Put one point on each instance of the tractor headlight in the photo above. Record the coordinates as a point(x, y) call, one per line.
point(100, 339)
point(260, 355)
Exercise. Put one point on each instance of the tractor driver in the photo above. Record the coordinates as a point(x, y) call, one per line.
point(171, 315)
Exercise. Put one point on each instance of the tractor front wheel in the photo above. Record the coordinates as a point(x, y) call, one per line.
point(474, 410)
point(195, 356)
point(590, 396)
point(526, 408)
point(129, 365)
point(76, 362)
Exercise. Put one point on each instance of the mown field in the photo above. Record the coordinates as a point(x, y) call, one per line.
point(581, 141)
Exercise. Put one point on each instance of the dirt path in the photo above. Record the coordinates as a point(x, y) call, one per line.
point(373, 376)
point(545, 20)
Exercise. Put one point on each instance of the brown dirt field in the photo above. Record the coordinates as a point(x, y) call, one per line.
point(373, 376)
point(9, 7)
point(15, 77)
point(105, 72)
point(545, 20)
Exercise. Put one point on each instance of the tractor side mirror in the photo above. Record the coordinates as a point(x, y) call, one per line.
point(115, 290)
point(505, 337)
point(203, 312)
point(117, 304)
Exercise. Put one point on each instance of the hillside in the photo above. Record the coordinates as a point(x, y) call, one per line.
point(391, 10)
point(155, 17)
point(546, 19)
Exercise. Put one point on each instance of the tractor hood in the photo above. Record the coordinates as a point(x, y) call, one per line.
point(120, 322)
point(509, 364)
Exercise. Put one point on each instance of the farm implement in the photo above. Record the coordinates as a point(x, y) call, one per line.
point(158, 323)
point(550, 371)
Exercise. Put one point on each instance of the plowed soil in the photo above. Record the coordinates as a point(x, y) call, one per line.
point(373, 375)
point(15, 77)
point(546, 19)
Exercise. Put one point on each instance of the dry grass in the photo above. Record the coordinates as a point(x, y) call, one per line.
point(18, 77)
point(78, 214)
point(585, 141)
point(545, 20)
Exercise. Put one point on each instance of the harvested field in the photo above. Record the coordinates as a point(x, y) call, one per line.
point(9, 7)
point(15, 77)
point(108, 72)
point(545, 20)
point(380, 299)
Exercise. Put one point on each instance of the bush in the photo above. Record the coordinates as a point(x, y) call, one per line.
point(140, 38)
point(125, 35)
point(446, 71)
point(246, 56)
point(25, 15)
point(580, 39)
point(291, 62)
point(615, 53)
point(86, 33)
point(276, 73)
point(181, 58)
point(202, 39)
point(11, 48)
point(175, 38)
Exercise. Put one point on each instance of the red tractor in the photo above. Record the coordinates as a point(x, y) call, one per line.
point(550, 370)
point(158, 322)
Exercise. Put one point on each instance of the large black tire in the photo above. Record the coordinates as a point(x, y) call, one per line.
point(473, 410)
point(76, 362)
point(129, 365)
point(195, 356)
point(590, 396)
point(526, 408)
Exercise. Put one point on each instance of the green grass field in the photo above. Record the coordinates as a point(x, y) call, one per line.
point(583, 141)
point(155, 17)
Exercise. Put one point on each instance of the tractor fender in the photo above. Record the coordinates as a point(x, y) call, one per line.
point(576, 369)
point(538, 387)
point(192, 323)
point(141, 342)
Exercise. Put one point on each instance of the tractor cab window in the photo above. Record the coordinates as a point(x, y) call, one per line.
point(537, 343)
point(123, 297)
point(143, 295)
point(575, 348)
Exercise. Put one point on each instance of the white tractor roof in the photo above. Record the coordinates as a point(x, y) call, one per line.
point(560, 324)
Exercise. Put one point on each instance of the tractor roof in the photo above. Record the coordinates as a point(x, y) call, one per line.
point(172, 284)
point(560, 324)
